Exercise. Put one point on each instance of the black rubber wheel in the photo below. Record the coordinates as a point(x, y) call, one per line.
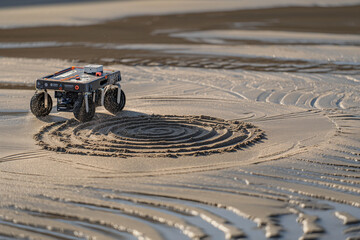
point(110, 100)
point(97, 98)
point(37, 105)
point(80, 110)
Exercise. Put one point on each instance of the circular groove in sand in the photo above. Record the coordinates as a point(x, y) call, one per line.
point(149, 136)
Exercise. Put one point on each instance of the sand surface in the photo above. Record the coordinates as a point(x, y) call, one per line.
point(84, 13)
point(245, 131)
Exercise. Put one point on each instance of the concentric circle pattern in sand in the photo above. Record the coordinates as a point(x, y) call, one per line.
point(151, 136)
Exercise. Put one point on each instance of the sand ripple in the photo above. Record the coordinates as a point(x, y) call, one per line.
point(151, 136)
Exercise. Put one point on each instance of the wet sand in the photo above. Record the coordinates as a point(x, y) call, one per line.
point(208, 146)
point(154, 29)
point(106, 43)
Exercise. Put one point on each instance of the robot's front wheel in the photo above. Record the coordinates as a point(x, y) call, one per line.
point(38, 106)
point(110, 100)
point(80, 112)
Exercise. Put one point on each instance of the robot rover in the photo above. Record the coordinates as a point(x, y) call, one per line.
point(79, 90)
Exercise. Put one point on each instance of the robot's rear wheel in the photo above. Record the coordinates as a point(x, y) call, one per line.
point(110, 100)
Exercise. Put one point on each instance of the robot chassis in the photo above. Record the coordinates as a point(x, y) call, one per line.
point(79, 90)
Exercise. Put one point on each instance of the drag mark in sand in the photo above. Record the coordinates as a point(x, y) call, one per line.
point(22, 156)
point(127, 215)
point(150, 136)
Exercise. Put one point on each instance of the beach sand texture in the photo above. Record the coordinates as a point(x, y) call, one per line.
point(241, 122)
